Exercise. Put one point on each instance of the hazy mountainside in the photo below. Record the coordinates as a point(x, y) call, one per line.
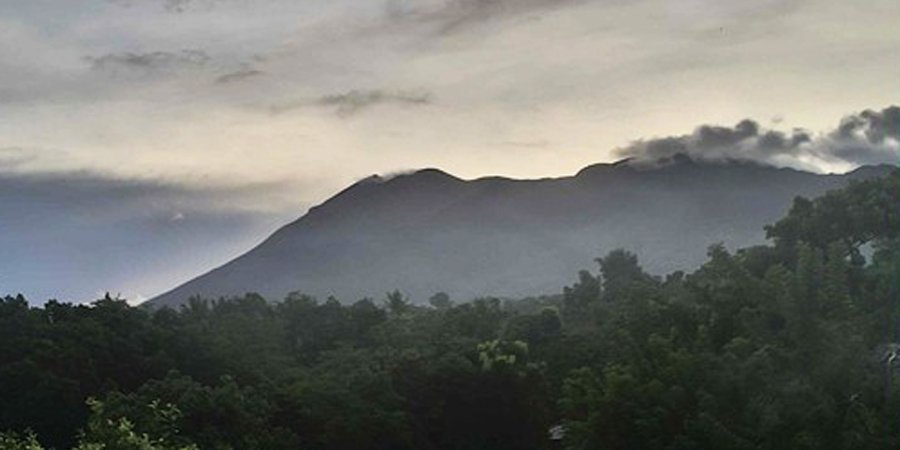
point(428, 231)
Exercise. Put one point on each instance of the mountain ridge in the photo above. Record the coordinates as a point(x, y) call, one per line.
point(428, 231)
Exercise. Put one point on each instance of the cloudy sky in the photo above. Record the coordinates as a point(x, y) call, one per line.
point(232, 116)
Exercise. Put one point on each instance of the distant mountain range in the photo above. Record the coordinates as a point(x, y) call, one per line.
point(428, 231)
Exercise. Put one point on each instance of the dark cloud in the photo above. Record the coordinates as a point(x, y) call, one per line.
point(870, 137)
point(745, 140)
point(100, 195)
point(162, 62)
point(239, 75)
point(173, 6)
point(177, 5)
point(77, 234)
point(131, 62)
point(352, 102)
point(449, 16)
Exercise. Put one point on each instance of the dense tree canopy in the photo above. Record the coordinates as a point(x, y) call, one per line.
point(794, 345)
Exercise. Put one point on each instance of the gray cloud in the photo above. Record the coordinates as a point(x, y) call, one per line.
point(173, 6)
point(98, 195)
point(131, 62)
point(177, 5)
point(745, 140)
point(449, 16)
point(870, 137)
point(79, 233)
point(164, 63)
point(98, 192)
point(352, 102)
point(355, 101)
point(239, 75)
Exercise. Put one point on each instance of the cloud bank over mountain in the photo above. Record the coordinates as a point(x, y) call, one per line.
point(869, 137)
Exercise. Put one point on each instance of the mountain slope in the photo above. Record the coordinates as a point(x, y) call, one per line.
point(428, 231)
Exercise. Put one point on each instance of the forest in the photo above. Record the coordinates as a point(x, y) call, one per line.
point(794, 344)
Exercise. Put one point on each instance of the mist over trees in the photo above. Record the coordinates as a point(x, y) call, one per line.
point(789, 345)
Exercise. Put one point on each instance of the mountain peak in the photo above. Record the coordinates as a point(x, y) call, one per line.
point(371, 179)
point(432, 172)
point(428, 174)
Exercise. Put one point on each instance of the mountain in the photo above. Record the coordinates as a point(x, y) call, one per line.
point(428, 231)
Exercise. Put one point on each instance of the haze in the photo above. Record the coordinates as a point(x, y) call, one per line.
point(213, 121)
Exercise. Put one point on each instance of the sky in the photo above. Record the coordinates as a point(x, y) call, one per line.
point(211, 122)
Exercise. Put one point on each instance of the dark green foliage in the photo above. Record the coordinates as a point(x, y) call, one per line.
point(863, 212)
point(440, 300)
point(105, 433)
point(579, 299)
point(795, 345)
